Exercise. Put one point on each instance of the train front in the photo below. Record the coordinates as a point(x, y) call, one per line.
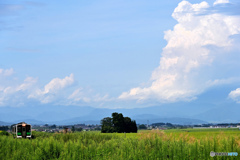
point(23, 130)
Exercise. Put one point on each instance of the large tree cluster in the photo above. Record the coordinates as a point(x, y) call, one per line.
point(118, 124)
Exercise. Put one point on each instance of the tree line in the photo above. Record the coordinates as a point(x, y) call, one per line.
point(118, 123)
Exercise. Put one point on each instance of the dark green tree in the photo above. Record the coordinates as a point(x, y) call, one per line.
point(4, 128)
point(4, 133)
point(53, 126)
point(134, 128)
point(127, 124)
point(107, 125)
point(142, 126)
point(73, 129)
point(79, 129)
point(118, 123)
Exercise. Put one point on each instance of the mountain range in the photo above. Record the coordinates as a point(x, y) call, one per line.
point(183, 113)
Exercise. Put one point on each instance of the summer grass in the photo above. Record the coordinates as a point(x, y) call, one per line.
point(155, 144)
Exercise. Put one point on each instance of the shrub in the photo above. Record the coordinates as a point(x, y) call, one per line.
point(4, 133)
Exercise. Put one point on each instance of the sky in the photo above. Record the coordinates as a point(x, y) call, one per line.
point(119, 54)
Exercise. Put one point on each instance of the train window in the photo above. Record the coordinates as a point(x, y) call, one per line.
point(23, 129)
point(28, 129)
point(19, 130)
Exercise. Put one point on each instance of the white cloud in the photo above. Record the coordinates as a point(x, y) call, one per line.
point(18, 93)
point(186, 54)
point(6, 72)
point(57, 91)
point(27, 84)
point(220, 2)
point(52, 89)
point(81, 96)
point(223, 81)
point(235, 95)
point(56, 84)
point(12, 92)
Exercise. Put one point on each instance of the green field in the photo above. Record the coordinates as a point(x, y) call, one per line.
point(169, 144)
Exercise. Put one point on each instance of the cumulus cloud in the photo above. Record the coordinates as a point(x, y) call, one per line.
point(57, 91)
point(50, 91)
point(15, 93)
point(12, 92)
point(57, 84)
point(235, 95)
point(28, 83)
point(6, 72)
point(217, 82)
point(79, 95)
point(186, 54)
point(220, 2)
point(87, 96)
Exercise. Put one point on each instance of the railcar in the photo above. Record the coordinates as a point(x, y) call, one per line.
point(22, 130)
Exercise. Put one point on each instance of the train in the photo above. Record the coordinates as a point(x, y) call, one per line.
point(22, 130)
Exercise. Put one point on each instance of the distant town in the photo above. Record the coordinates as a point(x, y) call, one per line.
point(87, 127)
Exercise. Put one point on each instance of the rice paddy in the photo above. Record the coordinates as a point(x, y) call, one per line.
point(148, 144)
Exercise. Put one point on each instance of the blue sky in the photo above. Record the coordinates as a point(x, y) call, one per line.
point(118, 53)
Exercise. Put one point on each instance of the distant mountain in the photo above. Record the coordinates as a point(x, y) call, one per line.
point(30, 121)
point(4, 123)
point(145, 116)
point(43, 113)
point(140, 119)
point(181, 113)
point(206, 108)
point(174, 120)
point(224, 113)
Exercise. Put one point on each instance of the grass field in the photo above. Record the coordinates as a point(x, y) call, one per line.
point(168, 144)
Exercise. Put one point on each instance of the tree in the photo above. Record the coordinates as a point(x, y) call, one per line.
point(118, 123)
point(4, 128)
point(142, 126)
point(107, 125)
point(4, 133)
point(79, 129)
point(127, 124)
point(134, 128)
point(97, 129)
point(53, 126)
point(73, 129)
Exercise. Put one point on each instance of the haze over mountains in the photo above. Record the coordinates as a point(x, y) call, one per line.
point(181, 114)
point(205, 109)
